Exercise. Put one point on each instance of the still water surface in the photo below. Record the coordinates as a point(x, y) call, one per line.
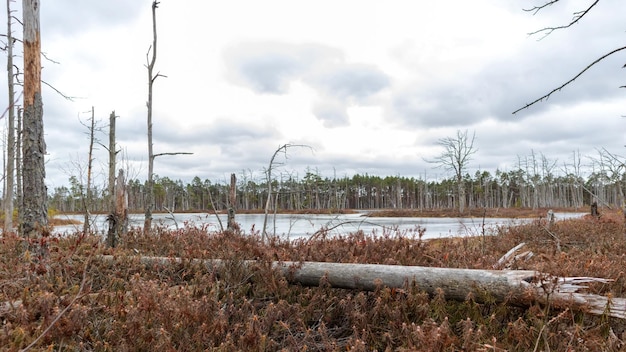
point(293, 226)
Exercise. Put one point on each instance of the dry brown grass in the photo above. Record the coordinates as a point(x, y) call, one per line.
point(127, 306)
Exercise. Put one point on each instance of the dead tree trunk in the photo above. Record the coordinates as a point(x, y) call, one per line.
point(19, 194)
point(594, 209)
point(516, 287)
point(87, 197)
point(232, 225)
point(10, 167)
point(34, 148)
point(112, 164)
point(151, 78)
point(118, 219)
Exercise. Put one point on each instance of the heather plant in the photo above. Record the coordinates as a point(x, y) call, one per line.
point(88, 297)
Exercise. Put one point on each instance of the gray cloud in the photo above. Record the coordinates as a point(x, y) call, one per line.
point(331, 112)
point(225, 131)
point(501, 87)
point(268, 67)
point(438, 106)
point(349, 81)
point(497, 87)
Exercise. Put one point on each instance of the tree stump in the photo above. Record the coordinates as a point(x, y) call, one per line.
point(118, 219)
point(551, 218)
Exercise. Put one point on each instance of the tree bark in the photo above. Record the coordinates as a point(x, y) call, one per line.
point(118, 218)
point(35, 218)
point(516, 287)
point(10, 167)
point(19, 194)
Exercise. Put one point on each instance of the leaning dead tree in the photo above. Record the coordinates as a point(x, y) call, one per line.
point(35, 213)
point(515, 287)
point(548, 30)
point(268, 173)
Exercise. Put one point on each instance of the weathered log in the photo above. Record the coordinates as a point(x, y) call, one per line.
point(516, 287)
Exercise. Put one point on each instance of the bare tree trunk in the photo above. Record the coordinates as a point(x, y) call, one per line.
point(87, 199)
point(112, 164)
point(151, 78)
point(19, 194)
point(118, 219)
point(10, 166)
point(233, 203)
point(461, 192)
point(35, 219)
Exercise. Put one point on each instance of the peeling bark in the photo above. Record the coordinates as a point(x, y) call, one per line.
point(35, 214)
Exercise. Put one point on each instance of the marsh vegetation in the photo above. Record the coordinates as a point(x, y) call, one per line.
point(74, 300)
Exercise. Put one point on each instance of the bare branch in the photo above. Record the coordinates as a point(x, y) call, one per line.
point(571, 80)
point(536, 9)
point(49, 59)
point(58, 91)
point(548, 30)
point(11, 105)
point(177, 153)
point(12, 38)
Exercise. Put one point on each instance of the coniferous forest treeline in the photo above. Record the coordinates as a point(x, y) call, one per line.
point(503, 189)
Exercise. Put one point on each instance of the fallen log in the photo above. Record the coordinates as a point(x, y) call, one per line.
point(516, 287)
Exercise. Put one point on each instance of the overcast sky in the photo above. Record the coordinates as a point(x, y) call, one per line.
point(370, 86)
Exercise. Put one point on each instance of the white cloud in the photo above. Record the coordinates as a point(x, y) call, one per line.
point(370, 85)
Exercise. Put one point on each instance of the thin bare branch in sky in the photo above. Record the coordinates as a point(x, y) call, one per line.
point(578, 15)
point(571, 80)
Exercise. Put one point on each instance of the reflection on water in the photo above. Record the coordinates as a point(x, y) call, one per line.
point(294, 226)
